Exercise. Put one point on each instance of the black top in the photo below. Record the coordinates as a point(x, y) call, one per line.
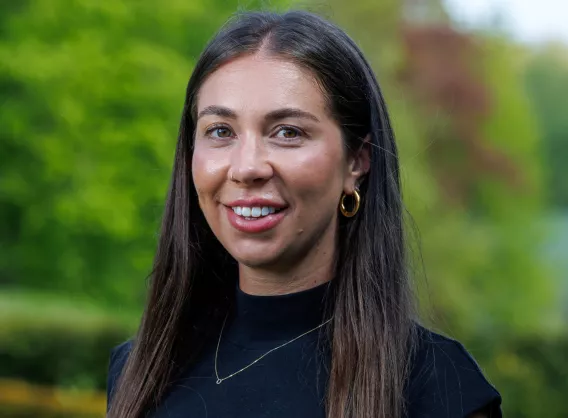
point(445, 381)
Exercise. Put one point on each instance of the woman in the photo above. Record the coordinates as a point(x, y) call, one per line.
point(279, 287)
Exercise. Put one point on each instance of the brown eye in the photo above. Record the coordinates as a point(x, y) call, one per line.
point(223, 132)
point(220, 132)
point(287, 132)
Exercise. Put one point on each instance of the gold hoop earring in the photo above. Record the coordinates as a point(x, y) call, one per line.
point(356, 205)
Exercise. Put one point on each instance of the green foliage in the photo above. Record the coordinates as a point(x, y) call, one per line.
point(50, 341)
point(529, 371)
point(547, 84)
point(19, 399)
point(18, 412)
point(91, 98)
point(508, 208)
point(34, 413)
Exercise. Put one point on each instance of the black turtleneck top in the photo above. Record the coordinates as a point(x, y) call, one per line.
point(445, 381)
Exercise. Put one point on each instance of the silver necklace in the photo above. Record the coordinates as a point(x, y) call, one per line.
point(221, 379)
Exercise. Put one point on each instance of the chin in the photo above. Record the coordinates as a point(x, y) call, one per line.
point(260, 255)
point(255, 252)
point(256, 259)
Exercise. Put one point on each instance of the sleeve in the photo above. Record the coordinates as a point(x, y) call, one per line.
point(118, 357)
point(446, 382)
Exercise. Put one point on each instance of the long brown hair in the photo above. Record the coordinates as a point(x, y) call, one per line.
point(193, 276)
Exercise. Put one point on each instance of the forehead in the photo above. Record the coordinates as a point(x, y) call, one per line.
point(259, 84)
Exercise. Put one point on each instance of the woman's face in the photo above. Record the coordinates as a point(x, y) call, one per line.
point(269, 164)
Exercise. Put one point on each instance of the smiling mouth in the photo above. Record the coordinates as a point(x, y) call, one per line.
point(252, 213)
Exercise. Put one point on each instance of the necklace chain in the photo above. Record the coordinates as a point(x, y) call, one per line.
point(221, 379)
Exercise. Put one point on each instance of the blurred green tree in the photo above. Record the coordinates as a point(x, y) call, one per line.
point(547, 85)
point(91, 98)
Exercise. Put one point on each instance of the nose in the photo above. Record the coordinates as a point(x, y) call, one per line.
point(249, 163)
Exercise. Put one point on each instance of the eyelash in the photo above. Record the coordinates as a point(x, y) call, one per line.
point(299, 132)
point(213, 128)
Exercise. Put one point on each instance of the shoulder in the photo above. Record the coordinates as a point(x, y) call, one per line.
point(446, 382)
point(118, 357)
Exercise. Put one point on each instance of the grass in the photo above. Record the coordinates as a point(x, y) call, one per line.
point(24, 307)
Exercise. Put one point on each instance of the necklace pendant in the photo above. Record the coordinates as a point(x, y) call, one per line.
point(219, 381)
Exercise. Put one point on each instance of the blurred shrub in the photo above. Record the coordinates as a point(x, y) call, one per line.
point(22, 400)
point(91, 97)
point(530, 372)
point(56, 343)
point(547, 84)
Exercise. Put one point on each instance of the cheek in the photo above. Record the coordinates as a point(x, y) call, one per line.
point(316, 177)
point(208, 171)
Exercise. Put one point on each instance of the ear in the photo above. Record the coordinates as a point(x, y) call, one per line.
point(358, 164)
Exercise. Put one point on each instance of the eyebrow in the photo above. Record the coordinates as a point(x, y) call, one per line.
point(218, 111)
point(287, 112)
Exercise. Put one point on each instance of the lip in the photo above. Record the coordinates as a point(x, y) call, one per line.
point(257, 225)
point(256, 201)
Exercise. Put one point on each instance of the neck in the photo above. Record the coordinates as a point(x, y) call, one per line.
point(265, 283)
point(312, 270)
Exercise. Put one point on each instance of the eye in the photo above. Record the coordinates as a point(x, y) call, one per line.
point(288, 132)
point(219, 132)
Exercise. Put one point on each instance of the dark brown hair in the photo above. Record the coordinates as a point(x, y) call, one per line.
point(193, 277)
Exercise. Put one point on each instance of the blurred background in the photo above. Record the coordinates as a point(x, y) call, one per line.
point(91, 93)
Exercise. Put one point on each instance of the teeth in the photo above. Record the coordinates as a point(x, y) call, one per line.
point(253, 212)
